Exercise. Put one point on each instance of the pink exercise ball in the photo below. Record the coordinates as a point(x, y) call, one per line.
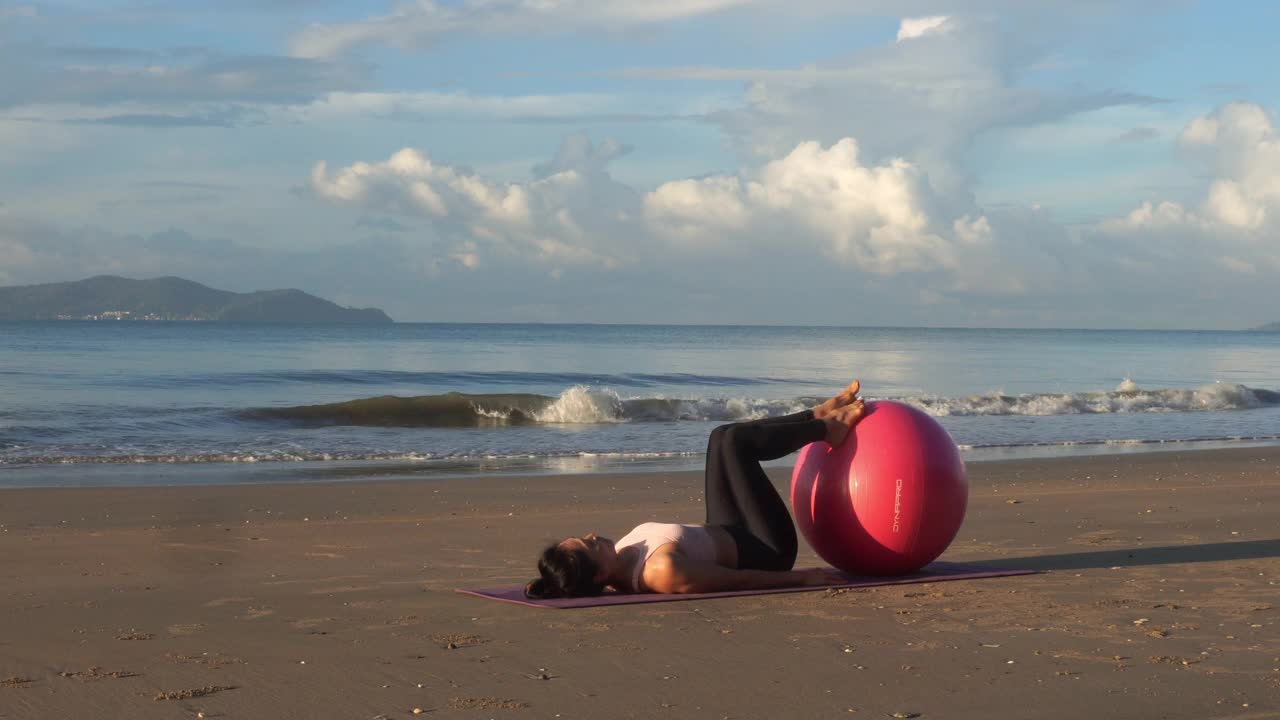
point(886, 502)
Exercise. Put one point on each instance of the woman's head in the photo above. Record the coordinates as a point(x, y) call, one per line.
point(574, 567)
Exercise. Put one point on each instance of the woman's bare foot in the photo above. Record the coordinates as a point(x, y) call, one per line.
point(841, 422)
point(841, 399)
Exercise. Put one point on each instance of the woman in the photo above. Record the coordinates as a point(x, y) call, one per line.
point(748, 540)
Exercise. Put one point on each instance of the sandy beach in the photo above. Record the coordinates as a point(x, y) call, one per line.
point(1158, 599)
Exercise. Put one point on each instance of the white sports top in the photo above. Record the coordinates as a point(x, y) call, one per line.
point(694, 540)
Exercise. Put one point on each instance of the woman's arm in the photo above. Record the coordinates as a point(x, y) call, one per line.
point(671, 571)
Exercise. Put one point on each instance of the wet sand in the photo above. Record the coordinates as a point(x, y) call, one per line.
point(1159, 599)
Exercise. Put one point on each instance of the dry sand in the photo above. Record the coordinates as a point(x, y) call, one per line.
point(1159, 600)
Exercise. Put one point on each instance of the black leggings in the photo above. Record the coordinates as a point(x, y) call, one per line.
point(741, 498)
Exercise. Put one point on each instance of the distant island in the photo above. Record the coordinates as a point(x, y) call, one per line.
point(1269, 327)
point(107, 297)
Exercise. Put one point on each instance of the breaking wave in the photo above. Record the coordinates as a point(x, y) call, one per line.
point(576, 405)
point(1126, 398)
point(586, 405)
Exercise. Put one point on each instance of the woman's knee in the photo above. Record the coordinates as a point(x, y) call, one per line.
point(720, 430)
point(717, 438)
point(733, 434)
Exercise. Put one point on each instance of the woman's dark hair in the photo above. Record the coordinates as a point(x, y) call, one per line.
point(564, 573)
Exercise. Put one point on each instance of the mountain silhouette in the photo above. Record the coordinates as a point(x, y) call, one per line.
point(108, 297)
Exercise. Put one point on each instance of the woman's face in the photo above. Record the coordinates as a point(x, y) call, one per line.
point(599, 549)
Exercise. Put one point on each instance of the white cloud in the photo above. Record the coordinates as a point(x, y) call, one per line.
point(1243, 148)
point(877, 219)
point(1234, 227)
point(1240, 147)
point(467, 254)
point(912, 28)
point(1162, 215)
point(872, 218)
point(566, 215)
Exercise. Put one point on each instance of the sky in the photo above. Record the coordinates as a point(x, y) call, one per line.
point(985, 163)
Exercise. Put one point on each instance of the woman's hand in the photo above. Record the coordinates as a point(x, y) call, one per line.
point(822, 576)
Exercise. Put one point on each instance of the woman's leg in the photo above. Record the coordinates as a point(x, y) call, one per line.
point(715, 445)
point(740, 495)
point(717, 434)
point(802, 416)
point(722, 508)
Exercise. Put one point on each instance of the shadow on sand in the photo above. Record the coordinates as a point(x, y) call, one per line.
point(1136, 557)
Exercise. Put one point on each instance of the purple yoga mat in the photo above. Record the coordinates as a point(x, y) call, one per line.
point(936, 572)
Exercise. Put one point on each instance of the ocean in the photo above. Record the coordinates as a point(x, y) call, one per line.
point(140, 403)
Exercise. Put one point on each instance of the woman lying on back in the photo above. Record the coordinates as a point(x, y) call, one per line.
point(748, 540)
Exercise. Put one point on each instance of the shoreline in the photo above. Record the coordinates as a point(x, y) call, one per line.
point(404, 489)
point(154, 474)
point(1156, 597)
